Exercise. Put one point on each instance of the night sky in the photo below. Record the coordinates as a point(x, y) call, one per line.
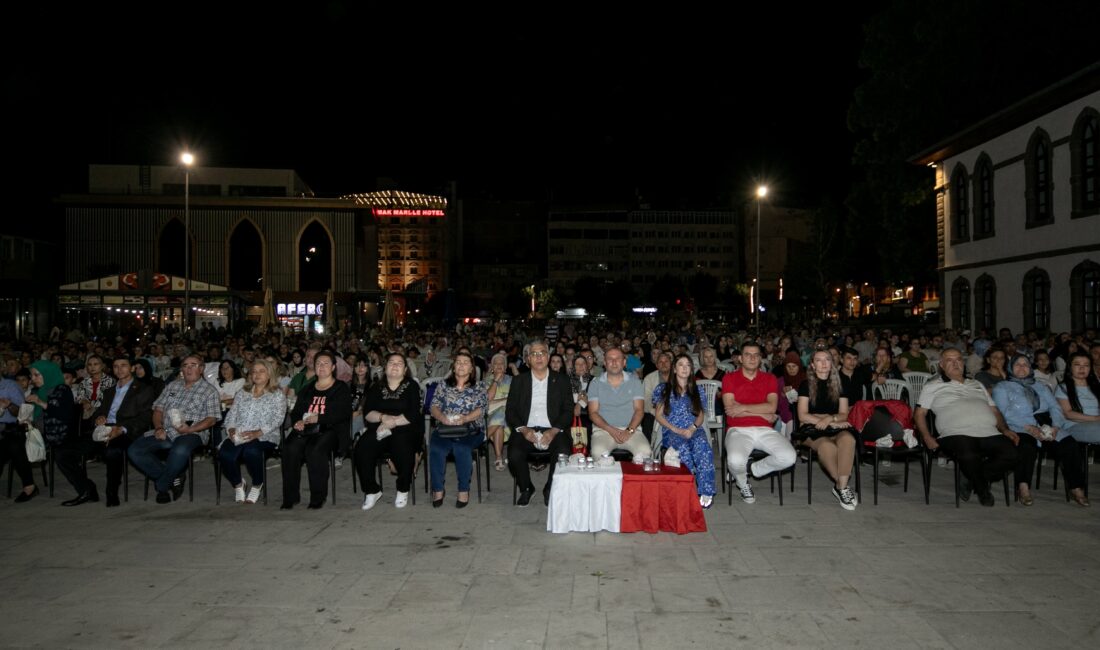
point(567, 106)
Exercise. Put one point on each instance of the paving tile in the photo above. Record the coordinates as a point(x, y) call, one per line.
point(1024, 630)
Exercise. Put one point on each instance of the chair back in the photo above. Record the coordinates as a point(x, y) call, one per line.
point(725, 366)
point(711, 388)
point(916, 382)
point(892, 389)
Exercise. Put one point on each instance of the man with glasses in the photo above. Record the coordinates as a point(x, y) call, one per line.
point(539, 410)
point(182, 418)
point(750, 397)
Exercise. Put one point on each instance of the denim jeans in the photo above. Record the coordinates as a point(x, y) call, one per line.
point(254, 453)
point(144, 455)
point(463, 449)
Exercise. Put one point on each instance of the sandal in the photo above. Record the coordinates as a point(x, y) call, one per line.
point(499, 465)
point(1080, 499)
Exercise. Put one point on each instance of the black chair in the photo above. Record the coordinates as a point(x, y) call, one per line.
point(1086, 447)
point(478, 452)
point(757, 455)
point(868, 448)
point(383, 462)
point(190, 473)
point(218, 476)
point(534, 457)
point(928, 454)
point(811, 461)
point(43, 464)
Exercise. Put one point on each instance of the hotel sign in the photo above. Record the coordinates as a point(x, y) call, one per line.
point(405, 212)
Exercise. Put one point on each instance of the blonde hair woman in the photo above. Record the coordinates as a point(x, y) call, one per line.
point(252, 429)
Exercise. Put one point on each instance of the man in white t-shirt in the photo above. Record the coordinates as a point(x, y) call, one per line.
point(969, 425)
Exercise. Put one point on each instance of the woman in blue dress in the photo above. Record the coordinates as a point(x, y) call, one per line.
point(678, 407)
point(458, 401)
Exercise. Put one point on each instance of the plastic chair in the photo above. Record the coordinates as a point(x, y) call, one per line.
point(713, 421)
point(916, 382)
point(892, 389)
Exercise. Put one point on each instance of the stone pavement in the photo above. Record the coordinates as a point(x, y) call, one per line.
point(899, 575)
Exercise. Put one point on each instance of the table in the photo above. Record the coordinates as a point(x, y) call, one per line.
point(585, 500)
point(664, 500)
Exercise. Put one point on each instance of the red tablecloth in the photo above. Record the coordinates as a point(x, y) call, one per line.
point(664, 500)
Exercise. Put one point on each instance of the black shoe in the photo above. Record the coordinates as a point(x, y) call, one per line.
point(177, 488)
point(461, 504)
point(24, 497)
point(287, 505)
point(987, 499)
point(964, 489)
point(525, 498)
point(112, 501)
point(439, 502)
point(164, 497)
point(80, 500)
point(316, 505)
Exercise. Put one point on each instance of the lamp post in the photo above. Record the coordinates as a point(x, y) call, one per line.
point(761, 192)
point(187, 159)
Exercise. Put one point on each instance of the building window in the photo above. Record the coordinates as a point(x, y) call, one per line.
point(1039, 194)
point(1037, 300)
point(960, 206)
point(1084, 284)
point(1085, 165)
point(985, 303)
point(960, 303)
point(395, 269)
point(983, 198)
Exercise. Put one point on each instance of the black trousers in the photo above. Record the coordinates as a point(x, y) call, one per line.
point(1072, 461)
point(519, 448)
point(982, 460)
point(72, 453)
point(401, 448)
point(315, 452)
point(13, 449)
point(1026, 452)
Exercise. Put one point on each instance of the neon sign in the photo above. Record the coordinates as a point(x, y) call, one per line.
point(403, 212)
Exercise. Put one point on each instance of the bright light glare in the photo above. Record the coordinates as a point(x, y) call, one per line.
point(762, 191)
point(187, 159)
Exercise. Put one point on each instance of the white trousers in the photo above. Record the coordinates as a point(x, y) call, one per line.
point(740, 441)
point(602, 443)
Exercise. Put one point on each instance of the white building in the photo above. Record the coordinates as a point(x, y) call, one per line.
point(1018, 213)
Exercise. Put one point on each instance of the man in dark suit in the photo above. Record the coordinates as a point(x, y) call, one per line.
point(539, 413)
point(127, 409)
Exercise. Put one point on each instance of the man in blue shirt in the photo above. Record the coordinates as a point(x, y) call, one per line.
point(14, 439)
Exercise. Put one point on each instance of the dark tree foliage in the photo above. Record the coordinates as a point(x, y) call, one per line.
point(935, 67)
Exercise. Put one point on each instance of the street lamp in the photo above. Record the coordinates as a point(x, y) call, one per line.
point(761, 192)
point(187, 159)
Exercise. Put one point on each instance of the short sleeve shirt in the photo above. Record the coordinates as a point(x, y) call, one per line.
point(749, 391)
point(616, 404)
point(961, 408)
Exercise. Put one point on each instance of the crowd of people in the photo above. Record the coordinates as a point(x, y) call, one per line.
point(991, 402)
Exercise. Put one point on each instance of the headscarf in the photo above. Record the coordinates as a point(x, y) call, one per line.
point(1027, 382)
point(795, 380)
point(51, 379)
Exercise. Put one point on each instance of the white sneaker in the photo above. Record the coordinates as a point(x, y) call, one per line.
point(400, 501)
point(846, 497)
point(370, 500)
point(706, 501)
point(238, 493)
point(885, 462)
point(339, 462)
point(747, 494)
point(254, 494)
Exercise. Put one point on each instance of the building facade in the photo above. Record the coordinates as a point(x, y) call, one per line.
point(1018, 213)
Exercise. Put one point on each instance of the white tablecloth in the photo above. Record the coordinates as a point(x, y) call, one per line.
point(587, 500)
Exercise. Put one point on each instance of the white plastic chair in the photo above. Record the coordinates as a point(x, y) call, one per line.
point(713, 420)
point(892, 389)
point(916, 382)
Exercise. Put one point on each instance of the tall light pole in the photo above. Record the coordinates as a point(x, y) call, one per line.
point(761, 192)
point(187, 159)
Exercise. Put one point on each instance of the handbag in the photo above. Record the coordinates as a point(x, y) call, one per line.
point(455, 430)
point(580, 436)
point(36, 445)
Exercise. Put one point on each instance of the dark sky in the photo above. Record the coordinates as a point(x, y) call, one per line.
point(688, 110)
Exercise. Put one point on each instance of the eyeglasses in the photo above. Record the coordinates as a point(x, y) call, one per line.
point(538, 354)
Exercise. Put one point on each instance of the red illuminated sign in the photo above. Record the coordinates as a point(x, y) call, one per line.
point(400, 212)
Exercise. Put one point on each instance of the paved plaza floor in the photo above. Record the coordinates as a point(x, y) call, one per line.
point(897, 575)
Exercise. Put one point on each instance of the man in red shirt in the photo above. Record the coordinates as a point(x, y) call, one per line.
point(749, 396)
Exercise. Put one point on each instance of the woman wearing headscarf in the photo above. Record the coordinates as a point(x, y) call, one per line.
point(1027, 405)
point(53, 412)
point(143, 371)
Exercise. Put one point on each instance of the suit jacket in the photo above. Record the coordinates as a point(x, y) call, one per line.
point(559, 401)
point(135, 413)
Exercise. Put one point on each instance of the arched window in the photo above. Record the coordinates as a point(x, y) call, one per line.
point(1040, 186)
point(1085, 164)
point(960, 303)
point(395, 252)
point(414, 252)
point(1036, 300)
point(1084, 285)
point(983, 198)
point(985, 303)
point(960, 205)
point(246, 257)
point(314, 258)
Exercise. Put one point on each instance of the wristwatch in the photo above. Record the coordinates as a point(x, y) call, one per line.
point(630, 430)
